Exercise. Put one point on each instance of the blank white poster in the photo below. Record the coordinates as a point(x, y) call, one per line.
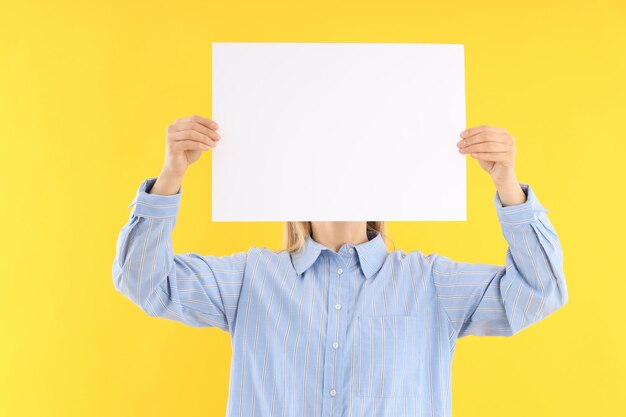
point(338, 132)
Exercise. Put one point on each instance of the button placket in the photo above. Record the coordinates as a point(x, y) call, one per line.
point(334, 366)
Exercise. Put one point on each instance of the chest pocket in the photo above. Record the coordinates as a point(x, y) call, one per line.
point(388, 356)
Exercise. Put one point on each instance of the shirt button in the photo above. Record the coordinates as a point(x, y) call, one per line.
point(350, 250)
point(340, 271)
point(337, 306)
point(333, 392)
point(335, 345)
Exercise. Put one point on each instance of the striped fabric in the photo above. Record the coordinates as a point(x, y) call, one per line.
point(358, 332)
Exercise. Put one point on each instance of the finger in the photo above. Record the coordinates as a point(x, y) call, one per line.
point(486, 137)
point(486, 147)
point(202, 120)
point(480, 129)
point(198, 128)
point(189, 145)
point(491, 156)
point(193, 136)
point(199, 119)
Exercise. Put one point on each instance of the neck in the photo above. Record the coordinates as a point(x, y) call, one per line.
point(335, 234)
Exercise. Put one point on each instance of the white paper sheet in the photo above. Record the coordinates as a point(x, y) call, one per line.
point(338, 132)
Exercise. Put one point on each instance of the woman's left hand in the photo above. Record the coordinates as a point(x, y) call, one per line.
point(494, 148)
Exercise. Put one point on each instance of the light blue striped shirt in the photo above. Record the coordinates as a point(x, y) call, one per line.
point(358, 332)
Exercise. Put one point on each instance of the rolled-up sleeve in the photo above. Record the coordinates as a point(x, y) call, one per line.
point(194, 289)
point(488, 300)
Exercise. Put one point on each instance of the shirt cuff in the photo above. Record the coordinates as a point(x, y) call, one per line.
point(526, 212)
point(155, 205)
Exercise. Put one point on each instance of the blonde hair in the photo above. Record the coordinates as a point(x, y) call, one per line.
point(296, 233)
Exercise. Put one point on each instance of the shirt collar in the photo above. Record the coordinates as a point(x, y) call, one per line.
point(372, 254)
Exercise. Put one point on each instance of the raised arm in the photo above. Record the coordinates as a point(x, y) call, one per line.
point(485, 300)
point(200, 291)
point(190, 288)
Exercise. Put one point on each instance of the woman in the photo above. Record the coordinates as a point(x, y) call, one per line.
point(335, 325)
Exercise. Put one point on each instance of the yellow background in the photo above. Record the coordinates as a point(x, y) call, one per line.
point(87, 90)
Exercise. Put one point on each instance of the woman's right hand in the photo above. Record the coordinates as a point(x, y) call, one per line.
point(186, 139)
